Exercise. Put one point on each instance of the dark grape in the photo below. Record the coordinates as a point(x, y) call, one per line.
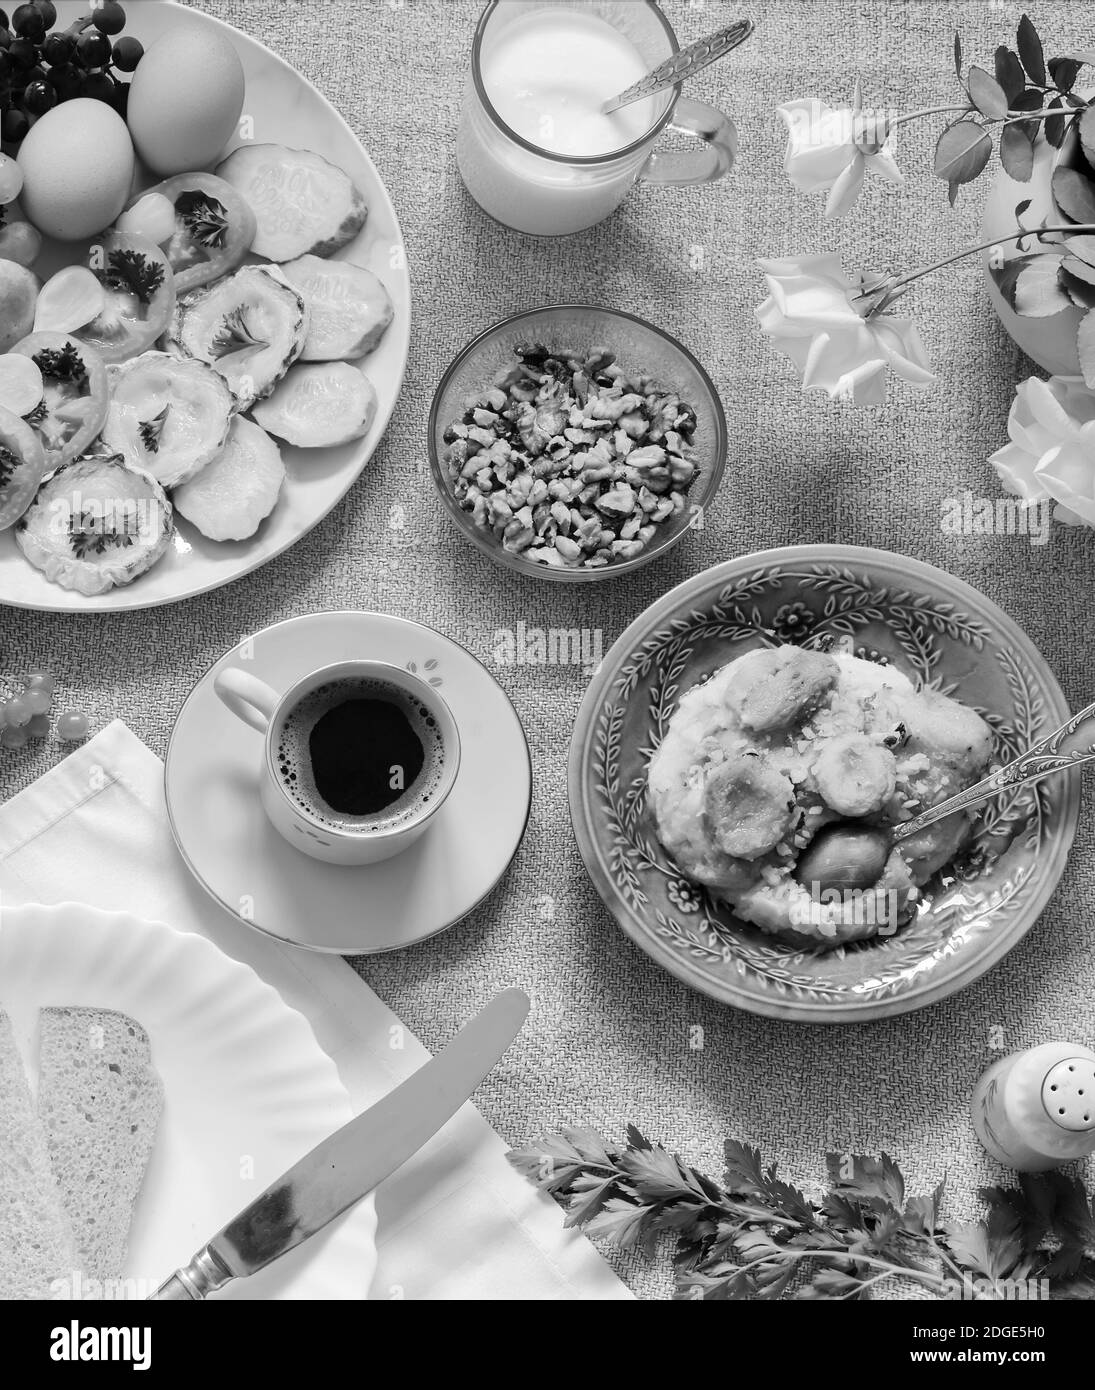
point(5, 38)
point(93, 49)
point(48, 10)
point(69, 81)
point(23, 54)
point(29, 24)
point(100, 86)
point(58, 48)
point(127, 54)
point(5, 22)
point(109, 17)
point(39, 98)
point(14, 126)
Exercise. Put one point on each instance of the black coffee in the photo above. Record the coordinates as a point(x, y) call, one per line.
point(359, 753)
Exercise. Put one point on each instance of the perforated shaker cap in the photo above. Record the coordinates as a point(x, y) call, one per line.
point(1068, 1094)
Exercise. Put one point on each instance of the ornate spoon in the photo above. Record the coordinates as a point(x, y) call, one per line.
point(684, 64)
point(849, 855)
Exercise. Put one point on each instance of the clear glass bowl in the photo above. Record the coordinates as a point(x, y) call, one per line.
point(641, 349)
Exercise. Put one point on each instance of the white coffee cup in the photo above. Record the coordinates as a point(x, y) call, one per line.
point(265, 711)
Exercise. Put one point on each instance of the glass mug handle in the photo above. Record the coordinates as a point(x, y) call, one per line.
point(716, 138)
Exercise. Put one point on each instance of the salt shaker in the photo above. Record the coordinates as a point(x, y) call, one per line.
point(1036, 1109)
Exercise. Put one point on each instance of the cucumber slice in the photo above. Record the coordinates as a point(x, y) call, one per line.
point(250, 328)
point(320, 404)
point(22, 466)
point(230, 499)
point(302, 203)
point(95, 524)
point(349, 309)
point(168, 415)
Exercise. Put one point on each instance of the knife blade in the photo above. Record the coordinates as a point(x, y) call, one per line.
point(351, 1162)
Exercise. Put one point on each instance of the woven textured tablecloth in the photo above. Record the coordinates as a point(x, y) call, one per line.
point(608, 1041)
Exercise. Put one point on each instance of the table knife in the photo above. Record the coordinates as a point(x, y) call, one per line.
point(351, 1162)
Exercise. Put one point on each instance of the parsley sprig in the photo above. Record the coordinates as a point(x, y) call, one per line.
point(8, 464)
point(151, 430)
point(132, 272)
point(62, 364)
point(90, 534)
point(234, 334)
point(755, 1236)
point(205, 218)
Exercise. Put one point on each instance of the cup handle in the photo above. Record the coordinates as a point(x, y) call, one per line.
point(247, 698)
point(716, 149)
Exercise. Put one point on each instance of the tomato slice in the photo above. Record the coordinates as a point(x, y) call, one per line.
point(140, 296)
point(214, 228)
point(22, 467)
point(74, 407)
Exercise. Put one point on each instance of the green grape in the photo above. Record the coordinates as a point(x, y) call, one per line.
point(73, 726)
point(19, 712)
point(37, 699)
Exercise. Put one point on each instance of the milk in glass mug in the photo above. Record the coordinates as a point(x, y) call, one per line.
point(534, 148)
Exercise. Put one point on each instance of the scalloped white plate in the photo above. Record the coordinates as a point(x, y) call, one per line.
point(247, 1089)
point(286, 110)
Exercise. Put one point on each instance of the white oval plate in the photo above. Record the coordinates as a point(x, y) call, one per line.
point(212, 786)
point(286, 110)
point(247, 1089)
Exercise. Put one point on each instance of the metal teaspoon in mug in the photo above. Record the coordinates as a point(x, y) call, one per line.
point(684, 64)
point(850, 855)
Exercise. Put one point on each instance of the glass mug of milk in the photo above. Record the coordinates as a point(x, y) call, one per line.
point(534, 148)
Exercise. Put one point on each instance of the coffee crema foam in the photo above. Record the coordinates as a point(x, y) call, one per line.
point(294, 758)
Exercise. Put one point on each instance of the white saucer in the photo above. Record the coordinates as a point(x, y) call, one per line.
point(212, 777)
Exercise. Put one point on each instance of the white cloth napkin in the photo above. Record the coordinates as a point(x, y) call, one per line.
point(456, 1221)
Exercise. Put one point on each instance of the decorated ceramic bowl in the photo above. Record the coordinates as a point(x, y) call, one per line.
point(938, 631)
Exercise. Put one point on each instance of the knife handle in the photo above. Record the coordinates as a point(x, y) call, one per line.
point(202, 1276)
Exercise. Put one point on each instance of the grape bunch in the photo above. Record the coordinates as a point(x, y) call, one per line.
point(40, 68)
point(25, 713)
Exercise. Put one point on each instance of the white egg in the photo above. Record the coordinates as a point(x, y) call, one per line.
point(77, 162)
point(185, 100)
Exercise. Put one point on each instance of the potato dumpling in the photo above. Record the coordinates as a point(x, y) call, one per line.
point(749, 806)
point(780, 687)
point(855, 775)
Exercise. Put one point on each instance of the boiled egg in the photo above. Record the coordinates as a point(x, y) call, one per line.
point(77, 163)
point(185, 99)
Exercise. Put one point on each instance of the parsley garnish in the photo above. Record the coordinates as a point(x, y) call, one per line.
point(62, 364)
point(133, 271)
point(89, 535)
point(234, 335)
point(204, 217)
point(8, 464)
point(754, 1236)
point(150, 430)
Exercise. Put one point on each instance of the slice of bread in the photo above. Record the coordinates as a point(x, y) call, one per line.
point(36, 1245)
point(100, 1102)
